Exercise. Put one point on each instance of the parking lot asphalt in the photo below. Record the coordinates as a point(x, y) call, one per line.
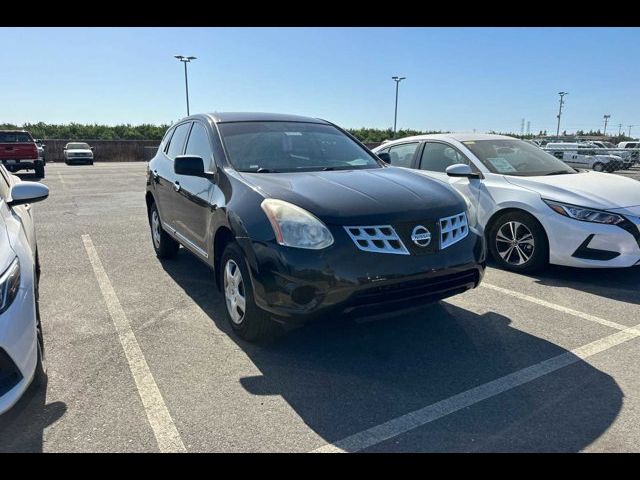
point(140, 357)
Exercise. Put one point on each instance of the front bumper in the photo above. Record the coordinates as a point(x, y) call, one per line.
point(574, 243)
point(18, 348)
point(79, 159)
point(17, 165)
point(295, 285)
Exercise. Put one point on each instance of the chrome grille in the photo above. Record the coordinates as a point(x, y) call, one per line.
point(453, 229)
point(378, 239)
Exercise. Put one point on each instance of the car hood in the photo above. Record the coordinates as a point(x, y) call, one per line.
point(7, 253)
point(361, 197)
point(79, 150)
point(604, 191)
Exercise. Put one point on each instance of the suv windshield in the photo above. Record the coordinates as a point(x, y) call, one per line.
point(291, 147)
point(77, 146)
point(15, 137)
point(515, 157)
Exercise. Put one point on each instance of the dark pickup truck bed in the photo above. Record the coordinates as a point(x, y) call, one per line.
point(18, 151)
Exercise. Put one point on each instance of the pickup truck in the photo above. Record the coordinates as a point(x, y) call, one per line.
point(18, 151)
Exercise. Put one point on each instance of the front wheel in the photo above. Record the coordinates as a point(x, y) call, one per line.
point(518, 242)
point(246, 318)
point(598, 167)
point(40, 374)
point(163, 244)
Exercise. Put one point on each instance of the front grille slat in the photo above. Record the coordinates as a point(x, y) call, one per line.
point(453, 229)
point(377, 238)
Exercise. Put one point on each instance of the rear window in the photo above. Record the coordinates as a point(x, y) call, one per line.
point(15, 137)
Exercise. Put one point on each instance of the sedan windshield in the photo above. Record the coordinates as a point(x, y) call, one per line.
point(515, 157)
point(292, 147)
point(77, 146)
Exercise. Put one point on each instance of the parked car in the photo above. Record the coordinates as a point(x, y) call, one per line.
point(534, 208)
point(75, 152)
point(610, 148)
point(18, 151)
point(583, 155)
point(635, 154)
point(22, 358)
point(298, 219)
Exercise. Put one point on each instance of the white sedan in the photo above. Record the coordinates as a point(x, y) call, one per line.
point(534, 208)
point(21, 343)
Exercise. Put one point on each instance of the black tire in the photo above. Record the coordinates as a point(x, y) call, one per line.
point(163, 244)
point(90, 162)
point(598, 167)
point(535, 249)
point(254, 325)
point(66, 162)
point(40, 373)
point(39, 170)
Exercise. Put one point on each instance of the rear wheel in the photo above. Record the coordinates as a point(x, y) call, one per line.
point(163, 244)
point(518, 242)
point(246, 318)
point(39, 170)
point(598, 167)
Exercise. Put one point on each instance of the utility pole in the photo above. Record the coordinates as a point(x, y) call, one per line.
point(185, 60)
point(562, 94)
point(606, 119)
point(395, 116)
point(522, 128)
point(528, 127)
point(619, 129)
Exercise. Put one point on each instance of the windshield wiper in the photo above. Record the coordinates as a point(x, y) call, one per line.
point(557, 172)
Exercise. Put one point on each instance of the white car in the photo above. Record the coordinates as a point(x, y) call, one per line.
point(584, 155)
point(78, 152)
point(534, 208)
point(21, 343)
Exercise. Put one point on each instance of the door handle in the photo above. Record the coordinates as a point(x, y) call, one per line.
point(176, 186)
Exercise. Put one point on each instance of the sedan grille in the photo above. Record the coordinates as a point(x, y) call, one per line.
point(378, 239)
point(453, 229)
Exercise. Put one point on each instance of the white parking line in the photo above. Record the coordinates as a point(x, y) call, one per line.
point(158, 415)
point(423, 416)
point(559, 308)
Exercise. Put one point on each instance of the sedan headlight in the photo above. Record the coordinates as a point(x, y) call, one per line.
point(9, 285)
point(585, 214)
point(295, 227)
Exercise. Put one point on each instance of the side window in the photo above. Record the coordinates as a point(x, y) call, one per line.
point(4, 185)
point(199, 144)
point(166, 141)
point(436, 157)
point(402, 155)
point(177, 140)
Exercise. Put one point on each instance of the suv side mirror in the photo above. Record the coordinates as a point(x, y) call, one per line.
point(462, 170)
point(27, 192)
point(385, 157)
point(190, 165)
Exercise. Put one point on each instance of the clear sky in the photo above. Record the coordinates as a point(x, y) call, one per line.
point(458, 79)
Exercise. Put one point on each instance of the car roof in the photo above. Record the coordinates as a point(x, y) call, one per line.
point(223, 117)
point(13, 131)
point(461, 137)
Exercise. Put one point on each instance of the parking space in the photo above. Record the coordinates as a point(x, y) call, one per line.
point(140, 357)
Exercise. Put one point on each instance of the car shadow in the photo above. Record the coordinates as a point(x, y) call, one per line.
point(342, 377)
point(22, 427)
point(621, 284)
point(31, 177)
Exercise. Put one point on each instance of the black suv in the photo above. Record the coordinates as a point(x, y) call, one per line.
point(298, 219)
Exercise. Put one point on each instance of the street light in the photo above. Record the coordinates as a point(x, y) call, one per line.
point(562, 94)
point(185, 60)
point(606, 119)
point(395, 117)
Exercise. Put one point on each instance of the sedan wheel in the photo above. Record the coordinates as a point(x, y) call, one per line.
point(515, 243)
point(234, 292)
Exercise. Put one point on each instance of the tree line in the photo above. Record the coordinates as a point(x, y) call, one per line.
point(79, 131)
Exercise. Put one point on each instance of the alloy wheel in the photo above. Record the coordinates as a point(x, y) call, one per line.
point(234, 293)
point(515, 243)
point(155, 228)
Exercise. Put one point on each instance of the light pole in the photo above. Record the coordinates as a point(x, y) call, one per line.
point(185, 60)
point(562, 94)
point(395, 117)
point(606, 119)
point(619, 129)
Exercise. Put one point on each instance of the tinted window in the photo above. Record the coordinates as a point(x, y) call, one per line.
point(198, 144)
point(4, 184)
point(292, 147)
point(436, 157)
point(15, 137)
point(402, 155)
point(177, 141)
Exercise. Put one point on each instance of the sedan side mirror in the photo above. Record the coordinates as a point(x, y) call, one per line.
point(91, 148)
point(190, 165)
point(27, 192)
point(462, 170)
point(385, 157)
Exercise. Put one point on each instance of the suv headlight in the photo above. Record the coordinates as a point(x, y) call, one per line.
point(295, 227)
point(9, 285)
point(585, 214)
